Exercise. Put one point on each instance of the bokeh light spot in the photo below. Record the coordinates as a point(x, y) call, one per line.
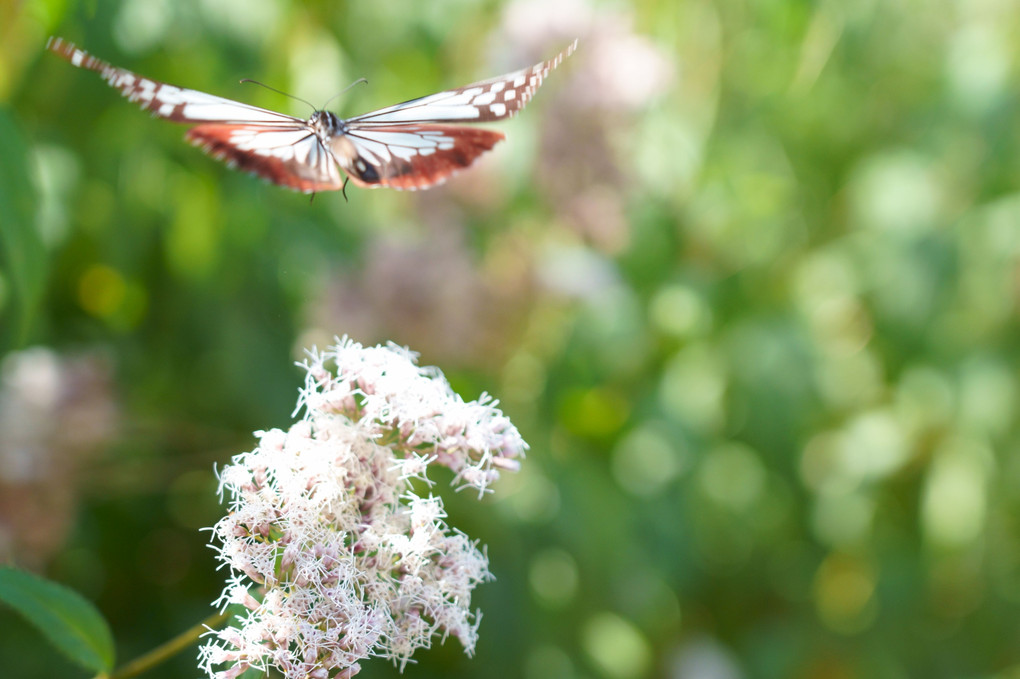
point(895, 191)
point(142, 24)
point(316, 67)
point(843, 519)
point(977, 65)
point(850, 380)
point(101, 290)
point(523, 378)
point(679, 311)
point(705, 658)
point(530, 495)
point(252, 21)
point(548, 662)
point(988, 396)
point(825, 277)
point(579, 272)
point(57, 175)
point(553, 577)
point(194, 240)
point(693, 385)
point(924, 398)
point(594, 412)
point(647, 459)
point(954, 501)
point(733, 476)
point(616, 646)
point(872, 446)
point(844, 593)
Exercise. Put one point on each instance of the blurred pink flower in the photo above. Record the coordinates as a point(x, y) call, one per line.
point(431, 289)
point(585, 159)
point(621, 69)
point(55, 413)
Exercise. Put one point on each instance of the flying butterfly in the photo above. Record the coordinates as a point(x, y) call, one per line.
point(413, 145)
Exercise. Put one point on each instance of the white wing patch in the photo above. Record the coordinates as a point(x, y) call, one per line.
point(312, 154)
point(269, 142)
point(195, 106)
point(379, 147)
point(438, 111)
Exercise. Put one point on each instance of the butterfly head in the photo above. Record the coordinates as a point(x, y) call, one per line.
point(325, 124)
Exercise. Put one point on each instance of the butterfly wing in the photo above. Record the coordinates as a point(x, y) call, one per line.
point(413, 145)
point(166, 101)
point(480, 102)
point(278, 147)
point(409, 156)
point(294, 158)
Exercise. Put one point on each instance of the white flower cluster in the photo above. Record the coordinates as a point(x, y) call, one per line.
point(334, 555)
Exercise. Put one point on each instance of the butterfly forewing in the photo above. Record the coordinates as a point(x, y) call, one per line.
point(166, 101)
point(485, 101)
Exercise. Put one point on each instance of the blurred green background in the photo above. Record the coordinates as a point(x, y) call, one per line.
point(745, 275)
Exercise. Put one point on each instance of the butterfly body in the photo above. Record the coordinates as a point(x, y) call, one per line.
point(413, 145)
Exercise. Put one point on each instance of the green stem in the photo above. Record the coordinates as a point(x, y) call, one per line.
point(170, 648)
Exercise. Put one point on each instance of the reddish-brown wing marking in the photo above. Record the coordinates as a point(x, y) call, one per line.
point(410, 156)
point(412, 145)
point(296, 159)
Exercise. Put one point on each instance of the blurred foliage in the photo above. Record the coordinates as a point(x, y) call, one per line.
point(745, 275)
point(71, 624)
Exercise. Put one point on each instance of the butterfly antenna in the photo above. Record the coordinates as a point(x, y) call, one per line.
point(273, 89)
point(356, 82)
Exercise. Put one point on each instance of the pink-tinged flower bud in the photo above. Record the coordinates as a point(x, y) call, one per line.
point(506, 465)
point(236, 671)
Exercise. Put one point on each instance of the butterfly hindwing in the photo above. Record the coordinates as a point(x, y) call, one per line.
point(409, 156)
point(294, 158)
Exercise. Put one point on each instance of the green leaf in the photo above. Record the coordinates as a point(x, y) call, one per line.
point(66, 618)
point(22, 254)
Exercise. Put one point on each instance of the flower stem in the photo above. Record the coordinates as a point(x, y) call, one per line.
point(171, 648)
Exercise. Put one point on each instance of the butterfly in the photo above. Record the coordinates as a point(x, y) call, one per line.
point(413, 145)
